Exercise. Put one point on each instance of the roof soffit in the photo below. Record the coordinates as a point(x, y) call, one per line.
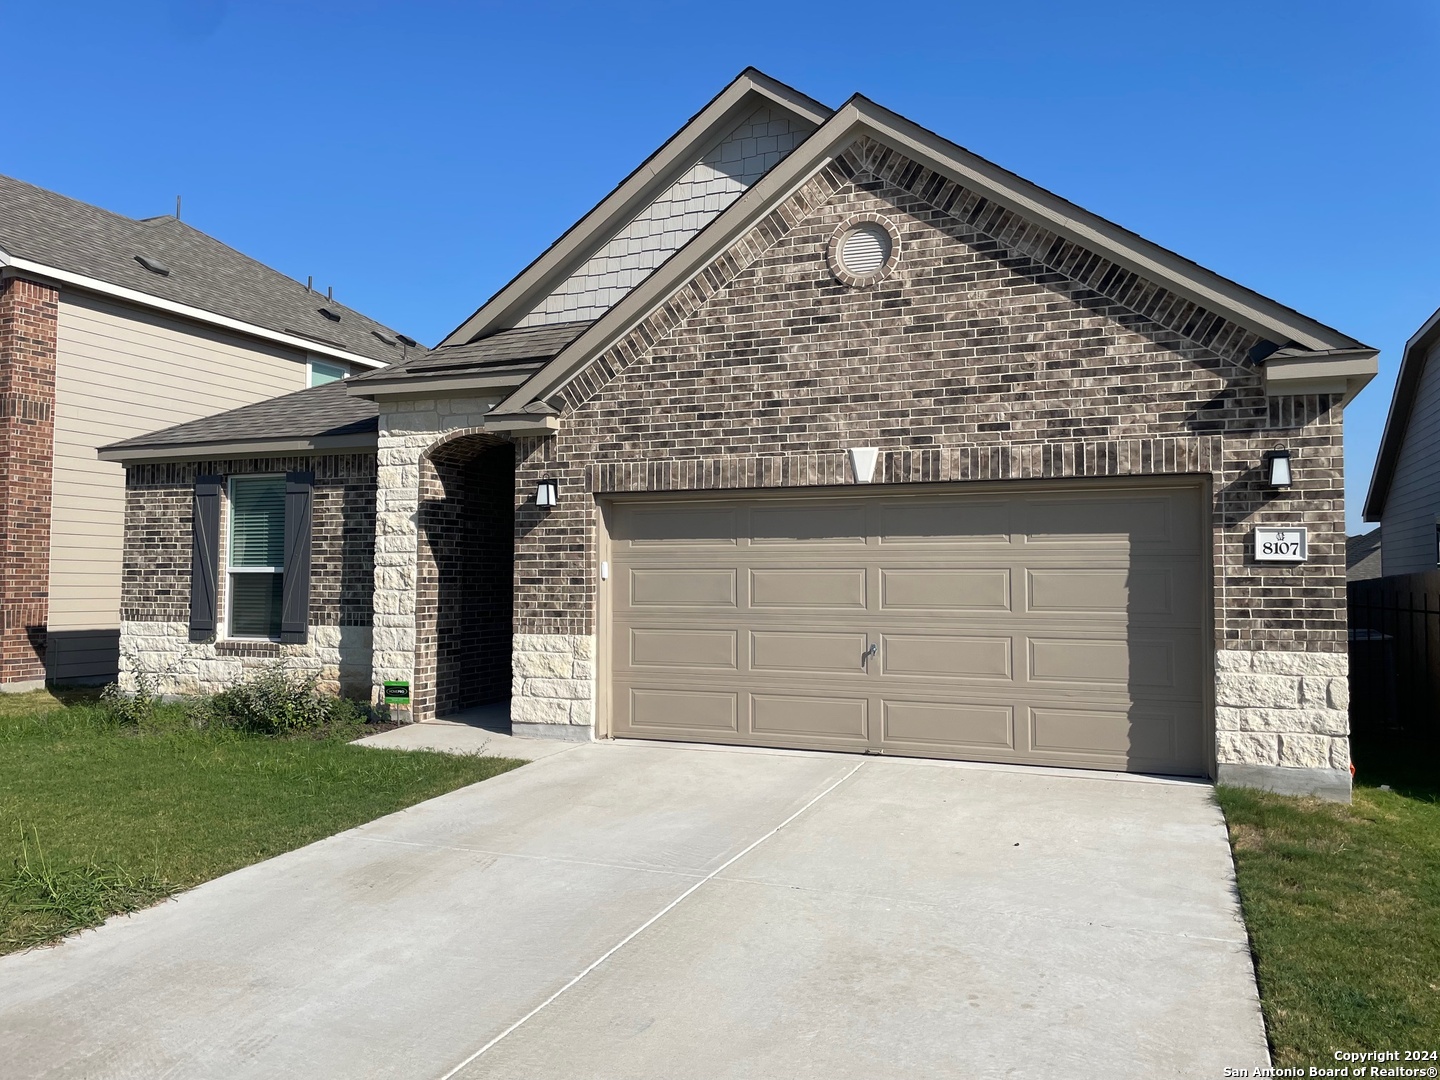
point(860, 118)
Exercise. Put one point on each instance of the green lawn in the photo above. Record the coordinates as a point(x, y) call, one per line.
point(1343, 908)
point(96, 818)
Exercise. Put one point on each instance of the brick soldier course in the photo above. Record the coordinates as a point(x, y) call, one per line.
point(989, 346)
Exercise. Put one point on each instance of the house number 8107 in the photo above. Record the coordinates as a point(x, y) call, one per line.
point(1281, 545)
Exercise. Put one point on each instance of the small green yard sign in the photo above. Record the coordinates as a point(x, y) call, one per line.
point(397, 693)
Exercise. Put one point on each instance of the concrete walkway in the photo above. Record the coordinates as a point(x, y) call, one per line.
point(481, 730)
point(649, 911)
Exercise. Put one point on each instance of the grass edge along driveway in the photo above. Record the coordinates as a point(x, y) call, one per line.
point(1343, 908)
point(97, 818)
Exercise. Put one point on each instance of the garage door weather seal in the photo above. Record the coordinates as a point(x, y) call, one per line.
point(645, 926)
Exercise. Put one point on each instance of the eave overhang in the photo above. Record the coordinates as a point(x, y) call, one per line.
point(320, 444)
point(1397, 420)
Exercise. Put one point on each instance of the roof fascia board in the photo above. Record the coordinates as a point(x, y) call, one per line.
point(320, 444)
point(1397, 420)
point(422, 383)
point(632, 195)
point(185, 311)
point(858, 117)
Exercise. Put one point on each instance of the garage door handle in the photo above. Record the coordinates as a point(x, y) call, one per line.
point(871, 651)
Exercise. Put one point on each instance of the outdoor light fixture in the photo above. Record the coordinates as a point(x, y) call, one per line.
point(1279, 469)
point(547, 493)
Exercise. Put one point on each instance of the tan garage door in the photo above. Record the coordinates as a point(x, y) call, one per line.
point(1011, 623)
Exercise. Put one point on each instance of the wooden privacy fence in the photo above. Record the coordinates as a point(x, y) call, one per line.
point(1395, 658)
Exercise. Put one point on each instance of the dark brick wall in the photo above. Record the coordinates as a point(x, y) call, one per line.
point(993, 350)
point(158, 506)
point(464, 591)
point(28, 315)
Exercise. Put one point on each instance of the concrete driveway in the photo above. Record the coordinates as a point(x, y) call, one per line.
point(646, 911)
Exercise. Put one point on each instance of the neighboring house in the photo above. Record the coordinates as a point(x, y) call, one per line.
point(819, 431)
point(1405, 488)
point(111, 327)
point(1362, 556)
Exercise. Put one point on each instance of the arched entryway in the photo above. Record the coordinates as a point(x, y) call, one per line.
point(465, 575)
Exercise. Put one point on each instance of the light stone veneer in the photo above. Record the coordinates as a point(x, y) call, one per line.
point(339, 655)
point(552, 691)
point(408, 429)
point(1287, 709)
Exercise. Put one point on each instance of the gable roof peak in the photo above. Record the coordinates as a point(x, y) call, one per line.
point(746, 93)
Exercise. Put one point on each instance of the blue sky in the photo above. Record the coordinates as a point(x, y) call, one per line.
point(416, 155)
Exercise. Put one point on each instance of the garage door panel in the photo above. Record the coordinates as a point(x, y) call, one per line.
point(1116, 734)
point(954, 589)
point(676, 648)
point(947, 725)
point(678, 711)
point(1076, 641)
point(822, 716)
point(677, 526)
point(841, 588)
point(824, 525)
point(806, 652)
point(945, 656)
point(949, 525)
point(688, 587)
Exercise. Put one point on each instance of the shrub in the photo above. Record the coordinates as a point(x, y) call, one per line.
point(131, 710)
point(274, 701)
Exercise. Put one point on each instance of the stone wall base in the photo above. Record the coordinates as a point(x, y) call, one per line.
point(1331, 784)
point(340, 656)
point(552, 683)
point(562, 732)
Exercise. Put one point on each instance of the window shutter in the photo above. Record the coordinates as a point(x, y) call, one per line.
point(295, 608)
point(204, 557)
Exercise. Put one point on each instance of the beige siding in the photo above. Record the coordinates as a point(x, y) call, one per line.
point(1407, 542)
point(123, 371)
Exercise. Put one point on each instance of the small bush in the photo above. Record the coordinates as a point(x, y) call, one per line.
point(131, 710)
point(274, 701)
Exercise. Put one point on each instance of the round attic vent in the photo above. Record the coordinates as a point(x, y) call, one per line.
point(865, 249)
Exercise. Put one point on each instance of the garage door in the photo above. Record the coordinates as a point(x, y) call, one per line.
point(1014, 624)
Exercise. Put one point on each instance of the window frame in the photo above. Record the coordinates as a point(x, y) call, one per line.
point(226, 627)
point(311, 363)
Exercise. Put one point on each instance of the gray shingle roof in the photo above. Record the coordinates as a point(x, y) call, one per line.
point(324, 411)
point(525, 346)
point(67, 234)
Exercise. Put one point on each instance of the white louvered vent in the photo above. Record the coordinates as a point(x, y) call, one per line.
point(865, 249)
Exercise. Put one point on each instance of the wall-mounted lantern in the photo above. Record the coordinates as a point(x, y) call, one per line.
point(1277, 469)
point(547, 493)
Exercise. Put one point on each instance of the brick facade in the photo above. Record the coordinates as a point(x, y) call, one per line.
point(28, 314)
point(155, 599)
point(464, 590)
point(992, 350)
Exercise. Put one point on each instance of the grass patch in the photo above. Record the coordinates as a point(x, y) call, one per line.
point(98, 817)
point(1343, 908)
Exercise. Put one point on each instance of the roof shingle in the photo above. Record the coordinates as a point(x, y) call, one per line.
point(66, 234)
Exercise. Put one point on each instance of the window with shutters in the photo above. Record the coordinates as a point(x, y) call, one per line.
point(256, 564)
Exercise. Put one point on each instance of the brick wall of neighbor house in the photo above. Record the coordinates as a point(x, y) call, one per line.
point(993, 350)
point(155, 593)
point(28, 314)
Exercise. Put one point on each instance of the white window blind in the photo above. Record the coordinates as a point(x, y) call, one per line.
point(257, 555)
